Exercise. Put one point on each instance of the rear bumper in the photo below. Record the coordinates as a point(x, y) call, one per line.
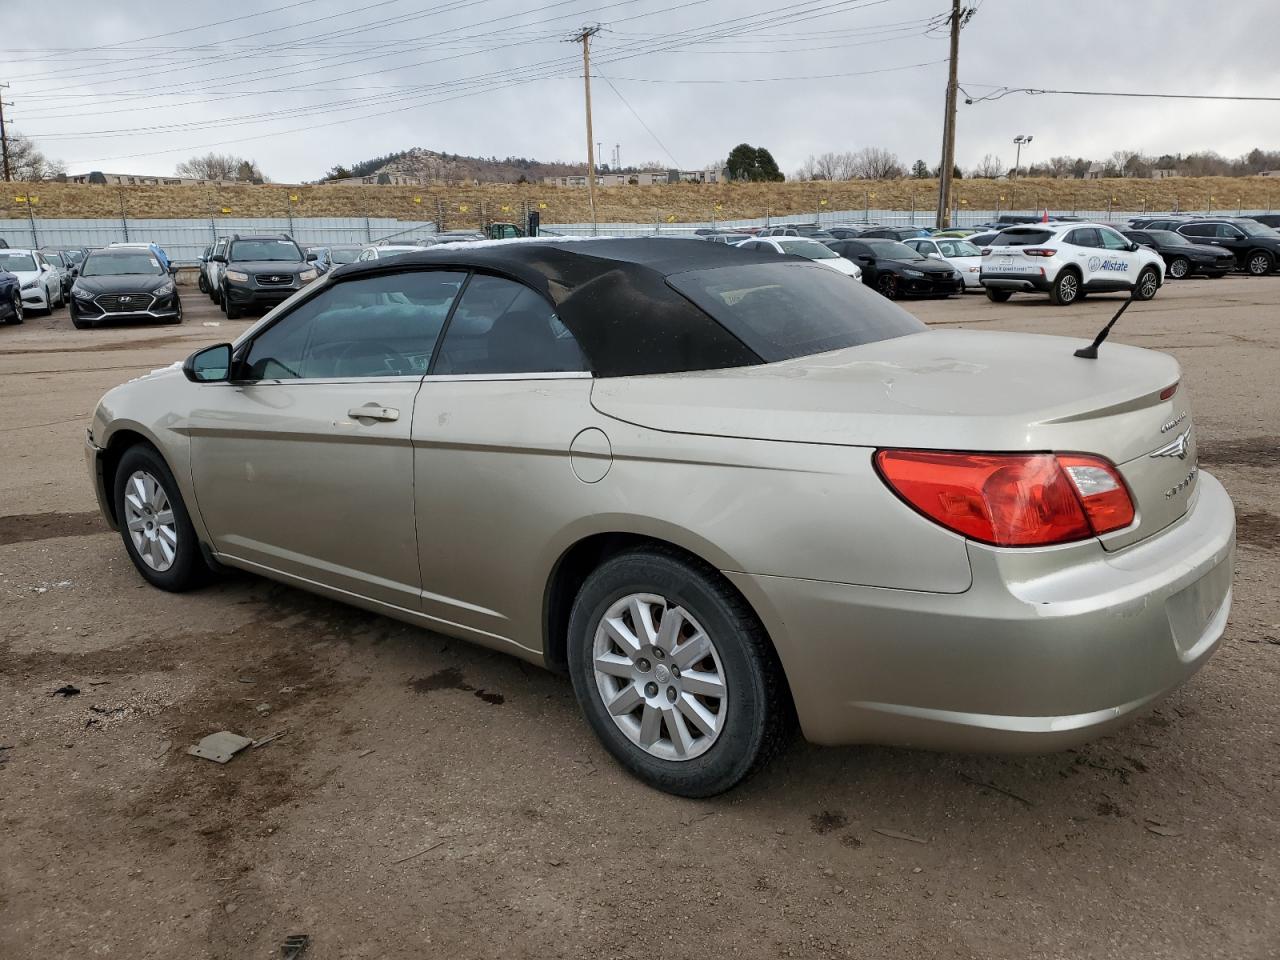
point(1047, 649)
point(1015, 281)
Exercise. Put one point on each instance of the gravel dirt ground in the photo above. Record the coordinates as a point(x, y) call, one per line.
point(427, 798)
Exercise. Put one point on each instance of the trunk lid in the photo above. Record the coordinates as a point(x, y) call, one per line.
point(948, 390)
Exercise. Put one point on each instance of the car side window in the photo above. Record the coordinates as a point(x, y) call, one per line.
point(1084, 237)
point(1197, 230)
point(384, 326)
point(501, 326)
point(1227, 232)
point(1113, 241)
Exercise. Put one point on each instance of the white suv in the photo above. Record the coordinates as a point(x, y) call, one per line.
point(1068, 260)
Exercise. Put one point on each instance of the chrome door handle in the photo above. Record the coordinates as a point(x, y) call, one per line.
point(374, 411)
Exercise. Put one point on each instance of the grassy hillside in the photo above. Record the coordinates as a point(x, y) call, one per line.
point(468, 206)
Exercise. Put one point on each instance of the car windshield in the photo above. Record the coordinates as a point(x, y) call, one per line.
point(811, 249)
point(893, 250)
point(1254, 229)
point(282, 250)
point(1168, 238)
point(16, 262)
point(958, 248)
point(344, 254)
point(1022, 238)
point(783, 310)
point(120, 264)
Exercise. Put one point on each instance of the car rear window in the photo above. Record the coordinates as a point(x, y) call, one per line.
point(785, 310)
point(1022, 238)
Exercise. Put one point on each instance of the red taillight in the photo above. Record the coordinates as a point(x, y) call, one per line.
point(1169, 391)
point(1011, 499)
point(1038, 251)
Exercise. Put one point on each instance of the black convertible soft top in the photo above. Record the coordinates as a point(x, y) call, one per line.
point(611, 293)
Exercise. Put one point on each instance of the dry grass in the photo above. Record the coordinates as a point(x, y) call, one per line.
point(469, 206)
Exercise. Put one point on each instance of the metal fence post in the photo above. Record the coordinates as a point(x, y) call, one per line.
point(31, 218)
point(124, 217)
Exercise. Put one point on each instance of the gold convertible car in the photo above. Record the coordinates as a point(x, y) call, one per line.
point(722, 489)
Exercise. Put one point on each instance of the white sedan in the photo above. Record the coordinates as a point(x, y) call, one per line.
point(961, 254)
point(809, 249)
point(40, 282)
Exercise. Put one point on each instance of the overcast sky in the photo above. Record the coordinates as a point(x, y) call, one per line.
point(300, 85)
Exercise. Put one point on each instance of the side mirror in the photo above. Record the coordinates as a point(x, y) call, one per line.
point(935, 256)
point(173, 269)
point(312, 256)
point(45, 268)
point(210, 365)
point(1133, 246)
point(218, 258)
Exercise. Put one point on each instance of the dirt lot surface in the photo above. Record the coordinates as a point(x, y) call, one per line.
point(429, 799)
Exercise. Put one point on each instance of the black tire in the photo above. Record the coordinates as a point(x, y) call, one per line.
point(178, 318)
point(79, 323)
point(203, 282)
point(1179, 268)
point(887, 286)
point(1066, 288)
point(1147, 284)
point(232, 311)
point(757, 706)
point(998, 296)
point(18, 315)
point(188, 568)
point(1260, 263)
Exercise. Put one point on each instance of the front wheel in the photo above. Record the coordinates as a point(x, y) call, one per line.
point(17, 315)
point(232, 311)
point(154, 523)
point(1179, 267)
point(674, 673)
point(1260, 263)
point(887, 286)
point(1147, 285)
point(998, 296)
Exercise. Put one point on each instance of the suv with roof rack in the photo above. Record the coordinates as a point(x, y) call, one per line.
point(261, 272)
point(1068, 260)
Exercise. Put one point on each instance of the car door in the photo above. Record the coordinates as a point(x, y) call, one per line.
point(1086, 252)
point(508, 397)
point(1119, 263)
point(1232, 238)
point(302, 464)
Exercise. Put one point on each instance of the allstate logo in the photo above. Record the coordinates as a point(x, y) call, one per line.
point(1095, 264)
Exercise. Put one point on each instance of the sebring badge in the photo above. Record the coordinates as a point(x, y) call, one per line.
point(1179, 448)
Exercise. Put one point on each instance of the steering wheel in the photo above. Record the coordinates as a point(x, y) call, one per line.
point(369, 350)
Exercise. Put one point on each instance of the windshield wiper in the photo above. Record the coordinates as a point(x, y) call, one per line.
point(1091, 351)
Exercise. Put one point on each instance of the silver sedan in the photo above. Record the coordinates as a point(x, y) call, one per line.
point(720, 488)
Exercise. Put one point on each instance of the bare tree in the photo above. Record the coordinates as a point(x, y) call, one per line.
point(989, 168)
point(874, 163)
point(220, 166)
point(27, 162)
point(1121, 162)
point(1060, 166)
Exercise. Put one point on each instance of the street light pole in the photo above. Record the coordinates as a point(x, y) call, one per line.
point(1020, 139)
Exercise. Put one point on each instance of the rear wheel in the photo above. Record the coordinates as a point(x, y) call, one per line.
point(998, 296)
point(154, 523)
point(887, 286)
point(203, 283)
point(1260, 262)
point(1179, 267)
point(1066, 288)
point(674, 673)
point(1147, 285)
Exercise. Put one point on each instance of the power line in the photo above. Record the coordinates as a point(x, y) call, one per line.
point(816, 76)
point(619, 95)
point(1001, 92)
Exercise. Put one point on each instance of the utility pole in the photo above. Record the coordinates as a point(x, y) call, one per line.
point(958, 18)
point(584, 36)
point(4, 137)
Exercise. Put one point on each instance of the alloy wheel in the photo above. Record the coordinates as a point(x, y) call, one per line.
point(1178, 269)
point(148, 515)
point(1259, 264)
point(1149, 284)
point(659, 677)
point(1068, 288)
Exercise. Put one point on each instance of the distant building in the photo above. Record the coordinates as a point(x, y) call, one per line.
point(1163, 173)
point(384, 179)
point(1270, 173)
point(144, 180)
point(646, 178)
point(1096, 171)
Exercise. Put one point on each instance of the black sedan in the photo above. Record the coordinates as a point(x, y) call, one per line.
point(10, 298)
point(1182, 258)
point(123, 284)
point(895, 270)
